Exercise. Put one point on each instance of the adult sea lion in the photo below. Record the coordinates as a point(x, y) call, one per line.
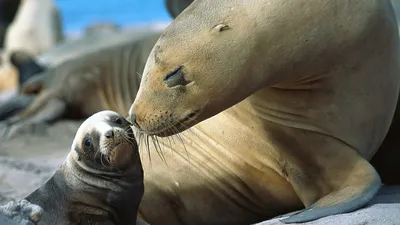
point(20, 65)
point(36, 28)
point(101, 180)
point(82, 86)
point(385, 161)
point(294, 98)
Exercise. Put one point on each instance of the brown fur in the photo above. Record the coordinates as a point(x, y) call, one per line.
point(286, 101)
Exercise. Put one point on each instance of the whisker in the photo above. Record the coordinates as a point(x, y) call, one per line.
point(101, 160)
point(147, 146)
point(158, 144)
point(129, 139)
point(190, 130)
point(160, 153)
point(177, 134)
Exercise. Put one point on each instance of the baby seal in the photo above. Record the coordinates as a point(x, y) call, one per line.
point(100, 182)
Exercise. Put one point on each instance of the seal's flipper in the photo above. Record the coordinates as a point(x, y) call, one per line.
point(44, 109)
point(15, 105)
point(35, 84)
point(346, 199)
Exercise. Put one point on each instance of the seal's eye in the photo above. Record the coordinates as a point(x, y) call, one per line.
point(118, 121)
point(221, 27)
point(87, 142)
point(175, 78)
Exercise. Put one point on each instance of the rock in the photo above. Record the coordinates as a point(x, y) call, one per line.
point(22, 212)
point(384, 209)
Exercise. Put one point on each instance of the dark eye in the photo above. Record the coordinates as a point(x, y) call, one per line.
point(87, 142)
point(175, 78)
point(118, 121)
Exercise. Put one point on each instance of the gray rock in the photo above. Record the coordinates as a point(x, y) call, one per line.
point(384, 209)
point(21, 213)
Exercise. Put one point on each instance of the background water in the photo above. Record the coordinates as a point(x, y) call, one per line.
point(78, 14)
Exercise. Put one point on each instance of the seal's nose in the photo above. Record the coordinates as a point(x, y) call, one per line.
point(109, 134)
point(133, 120)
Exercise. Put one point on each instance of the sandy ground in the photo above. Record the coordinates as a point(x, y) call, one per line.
point(384, 209)
point(27, 161)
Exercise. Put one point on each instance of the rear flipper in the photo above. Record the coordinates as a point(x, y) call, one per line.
point(46, 108)
point(355, 193)
point(15, 105)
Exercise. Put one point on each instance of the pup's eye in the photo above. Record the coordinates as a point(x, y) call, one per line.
point(87, 142)
point(118, 121)
point(175, 78)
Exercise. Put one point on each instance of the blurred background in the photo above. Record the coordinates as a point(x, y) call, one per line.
point(78, 14)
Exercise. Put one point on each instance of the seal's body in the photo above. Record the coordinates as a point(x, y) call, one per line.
point(97, 74)
point(100, 182)
point(294, 98)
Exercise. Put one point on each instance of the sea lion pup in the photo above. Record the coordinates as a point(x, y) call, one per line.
point(105, 79)
point(36, 28)
point(100, 182)
point(292, 98)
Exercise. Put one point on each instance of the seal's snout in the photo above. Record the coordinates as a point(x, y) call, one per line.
point(109, 134)
point(132, 120)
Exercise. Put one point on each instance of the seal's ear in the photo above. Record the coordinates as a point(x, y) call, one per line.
point(175, 7)
point(26, 65)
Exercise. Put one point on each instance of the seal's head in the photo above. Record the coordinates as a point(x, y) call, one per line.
point(200, 66)
point(105, 142)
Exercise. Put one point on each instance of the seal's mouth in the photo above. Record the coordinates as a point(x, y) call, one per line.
point(123, 143)
point(176, 127)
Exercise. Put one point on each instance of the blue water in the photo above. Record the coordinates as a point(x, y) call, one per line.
point(77, 14)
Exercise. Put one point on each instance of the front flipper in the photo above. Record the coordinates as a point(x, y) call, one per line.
point(354, 195)
point(15, 105)
point(45, 109)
